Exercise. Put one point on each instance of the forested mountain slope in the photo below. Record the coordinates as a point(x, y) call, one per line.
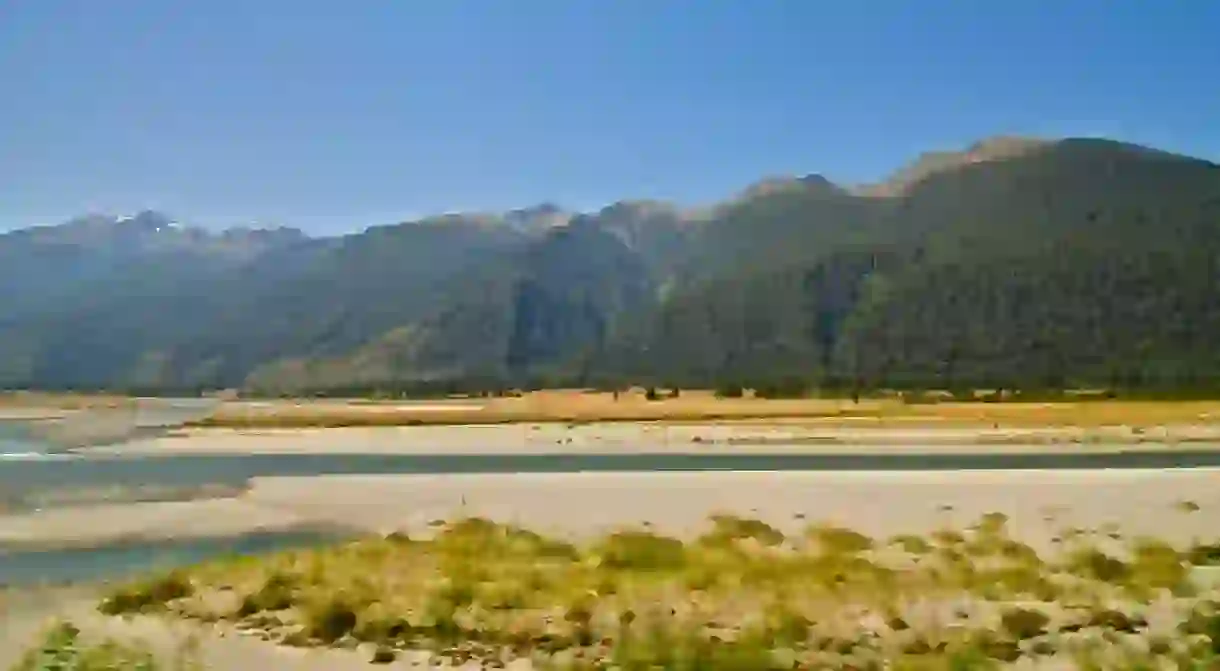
point(1086, 261)
point(1016, 262)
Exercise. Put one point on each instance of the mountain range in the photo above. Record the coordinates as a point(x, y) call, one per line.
point(1015, 262)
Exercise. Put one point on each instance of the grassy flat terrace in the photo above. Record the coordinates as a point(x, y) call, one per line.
point(690, 406)
point(702, 407)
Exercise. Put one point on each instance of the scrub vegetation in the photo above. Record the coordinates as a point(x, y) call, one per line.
point(62, 648)
point(743, 595)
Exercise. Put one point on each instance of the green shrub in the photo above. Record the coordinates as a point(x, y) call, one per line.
point(1158, 565)
point(730, 390)
point(838, 540)
point(1204, 554)
point(1204, 620)
point(146, 595)
point(61, 649)
point(1096, 565)
point(684, 648)
point(911, 543)
point(728, 528)
point(331, 620)
point(780, 389)
point(641, 551)
point(277, 593)
point(1115, 620)
point(992, 524)
point(1023, 623)
point(383, 655)
point(1188, 506)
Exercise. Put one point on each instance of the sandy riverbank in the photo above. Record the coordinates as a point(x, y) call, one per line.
point(25, 614)
point(877, 503)
point(215, 648)
point(97, 525)
point(644, 437)
point(880, 503)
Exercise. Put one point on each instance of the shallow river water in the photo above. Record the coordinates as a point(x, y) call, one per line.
point(29, 474)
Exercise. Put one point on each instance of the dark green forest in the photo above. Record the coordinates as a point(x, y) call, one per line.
point(1021, 265)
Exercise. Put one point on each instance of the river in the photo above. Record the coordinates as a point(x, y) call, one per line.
point(22, 475)
point(35, 470)
point(52, 567)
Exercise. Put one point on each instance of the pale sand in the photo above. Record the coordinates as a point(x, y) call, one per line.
point(879, 503)
point(89, 526)
point(217, 647)
point(19, 413)
point(646, 437)
point(23, 614)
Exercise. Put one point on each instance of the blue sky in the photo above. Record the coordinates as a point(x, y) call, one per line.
point(333, 115)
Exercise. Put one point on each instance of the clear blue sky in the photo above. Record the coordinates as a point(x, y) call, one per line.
point(333, 115)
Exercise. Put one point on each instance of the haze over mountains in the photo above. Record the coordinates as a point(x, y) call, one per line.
point(1016, 262)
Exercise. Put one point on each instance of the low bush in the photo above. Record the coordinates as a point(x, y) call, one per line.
point(145, 595)
point(641, 551)
point(1023, 623)
point(729, 528)
point(730, 390)
point(330, 620)
point(62, 648)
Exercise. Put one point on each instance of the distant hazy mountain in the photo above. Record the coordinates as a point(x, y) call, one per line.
point(79, 259)
point(151, 232)
point(1014, 262)
point(536, 219)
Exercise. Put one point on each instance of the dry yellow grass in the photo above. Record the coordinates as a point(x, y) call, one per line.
point(551, 406)
point(1080, 413)
point(696, 406)
point(56, 401)
point(577, 406)
point(743, 595)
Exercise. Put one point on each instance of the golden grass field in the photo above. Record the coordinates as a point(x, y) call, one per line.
point(577, 406)
point(695, 406)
